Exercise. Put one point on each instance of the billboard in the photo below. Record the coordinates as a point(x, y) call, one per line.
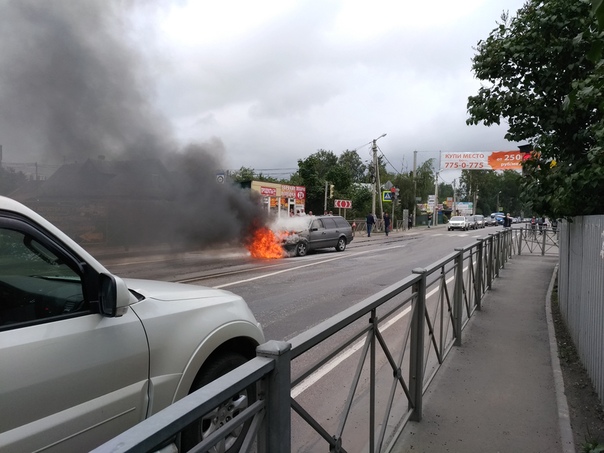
point(488, 160)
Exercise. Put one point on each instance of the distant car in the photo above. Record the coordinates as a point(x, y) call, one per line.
point(457, 222)
point(472, 224)
point(86, 355)
point(317, 232)
point(480, 221)
point(498, 217)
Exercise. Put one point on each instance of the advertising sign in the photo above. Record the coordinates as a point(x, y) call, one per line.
point(300, 193)
point(288, 191)
point(490, 160)
point(268, 191)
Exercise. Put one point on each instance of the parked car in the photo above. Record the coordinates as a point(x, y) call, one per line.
point(318, 232)
point(480, 221)
point(86, 355)
point(458, 222)
point(472, 225)
point(498, 217)
point(490, 220)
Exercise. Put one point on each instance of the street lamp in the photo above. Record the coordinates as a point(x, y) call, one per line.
point(497, 208)
point(376, 186)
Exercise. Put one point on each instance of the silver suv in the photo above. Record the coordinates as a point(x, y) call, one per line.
point(319, 232)
point(86, 355)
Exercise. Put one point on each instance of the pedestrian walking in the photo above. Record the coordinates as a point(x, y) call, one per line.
point(507, 221)
point(429, 220)
point(370, 223)
point(410, 221)
point(386, 223)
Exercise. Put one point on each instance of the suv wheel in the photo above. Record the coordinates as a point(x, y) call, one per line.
point(341, 245)
point(212, 421)
point(301, 249)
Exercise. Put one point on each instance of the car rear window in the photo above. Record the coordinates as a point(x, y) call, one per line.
point(341, 223)
point(329, 223)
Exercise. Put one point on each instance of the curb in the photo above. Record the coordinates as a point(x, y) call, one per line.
point(566, 433)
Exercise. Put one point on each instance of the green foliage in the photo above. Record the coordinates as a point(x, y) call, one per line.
point(352, 163)
point(545, 79)
point(505, 186)
point(592, 446)
point(249, 174)
point(598, 10)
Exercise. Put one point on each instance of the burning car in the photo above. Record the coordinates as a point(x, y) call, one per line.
point(316, 232)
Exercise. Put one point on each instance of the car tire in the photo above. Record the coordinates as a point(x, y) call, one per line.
point(341, 245)
point(301, 249)
point(212, 421)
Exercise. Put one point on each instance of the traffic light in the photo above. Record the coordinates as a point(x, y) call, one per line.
point(397, 193)
point(331, 191)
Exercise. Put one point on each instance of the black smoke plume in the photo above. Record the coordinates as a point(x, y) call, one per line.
point(75, 90)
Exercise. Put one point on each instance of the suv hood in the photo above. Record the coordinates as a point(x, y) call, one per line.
point(168, 291)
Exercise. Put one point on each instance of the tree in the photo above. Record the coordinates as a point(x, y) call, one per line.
point(249, 174)
point(424, 179)
point(317, 170)
point(541, 80)
point(351, 161)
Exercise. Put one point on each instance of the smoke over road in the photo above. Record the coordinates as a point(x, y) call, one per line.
point(74, 87)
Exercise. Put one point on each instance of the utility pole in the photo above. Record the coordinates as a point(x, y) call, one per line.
point(454, 200)
point(376, 184)
point(436, 191)
point(325, 204)
point(414, 185)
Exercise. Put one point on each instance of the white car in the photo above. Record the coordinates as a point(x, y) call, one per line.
point(458, 222)
point(86, 355)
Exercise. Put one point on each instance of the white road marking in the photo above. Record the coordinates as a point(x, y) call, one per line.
point(314, 263)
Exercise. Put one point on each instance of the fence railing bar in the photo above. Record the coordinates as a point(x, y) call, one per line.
point(334, 443)
point(396, 368)
point(355, 382)
point(317, 334)
point(218, 436)
point(372, 382)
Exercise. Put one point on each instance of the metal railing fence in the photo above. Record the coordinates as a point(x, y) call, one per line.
point(543, 240)
point(360, 226)
point(397, 339)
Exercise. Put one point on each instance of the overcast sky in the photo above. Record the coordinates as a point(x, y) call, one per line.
point(268, 82)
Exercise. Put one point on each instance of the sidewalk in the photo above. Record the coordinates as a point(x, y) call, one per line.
point(501, 391)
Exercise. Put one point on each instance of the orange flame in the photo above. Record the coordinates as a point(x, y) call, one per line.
point(265, 244)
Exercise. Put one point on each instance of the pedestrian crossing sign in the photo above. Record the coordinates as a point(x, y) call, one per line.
point(387, 195)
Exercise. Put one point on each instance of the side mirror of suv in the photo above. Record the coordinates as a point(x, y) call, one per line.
point(113, 296)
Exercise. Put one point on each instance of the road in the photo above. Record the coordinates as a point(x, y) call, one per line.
point(291, 295)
